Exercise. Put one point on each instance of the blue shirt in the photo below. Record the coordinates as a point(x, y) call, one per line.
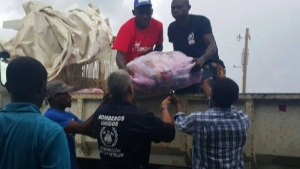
point(29, 140)
point(218, 137)
point(63, 118)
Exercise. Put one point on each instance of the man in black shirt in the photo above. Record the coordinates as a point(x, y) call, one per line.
point(192, 35)
point(124, 131)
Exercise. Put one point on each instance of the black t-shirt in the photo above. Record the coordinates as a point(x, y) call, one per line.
point(125, 132)
point(189, 39)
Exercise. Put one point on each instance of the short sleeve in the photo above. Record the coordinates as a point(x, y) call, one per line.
point(75, 117)
point(153, 128)
point(62, 120)
point(160, 34)
point(170, 33)
point(123, 39)
point(95, 119)
point(55, 152)
point(205, 26)
point(185, 123)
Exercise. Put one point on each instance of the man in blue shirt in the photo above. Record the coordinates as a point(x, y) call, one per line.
point(29, 140)
point(220, 133)
point(59, 99)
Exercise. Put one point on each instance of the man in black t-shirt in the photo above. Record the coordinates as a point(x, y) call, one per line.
point(124, 131)
point(192, 35)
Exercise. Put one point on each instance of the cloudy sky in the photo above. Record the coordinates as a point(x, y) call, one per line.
point(274, 28)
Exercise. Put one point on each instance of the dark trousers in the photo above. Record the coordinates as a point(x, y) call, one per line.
point(213, 70)
point(196, 88)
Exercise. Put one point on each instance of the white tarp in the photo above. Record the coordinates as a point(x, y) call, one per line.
point(58, 38)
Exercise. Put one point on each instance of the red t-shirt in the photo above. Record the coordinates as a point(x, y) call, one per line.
point(135, 42)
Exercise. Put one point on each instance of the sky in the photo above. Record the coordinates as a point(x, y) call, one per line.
point(274, 26)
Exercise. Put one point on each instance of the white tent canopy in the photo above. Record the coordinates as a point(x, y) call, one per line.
point(58, 38)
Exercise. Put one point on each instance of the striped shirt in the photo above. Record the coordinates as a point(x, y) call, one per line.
point(218, 137)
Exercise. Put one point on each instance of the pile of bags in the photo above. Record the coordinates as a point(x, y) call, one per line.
point(157, 72)
point(89, 91)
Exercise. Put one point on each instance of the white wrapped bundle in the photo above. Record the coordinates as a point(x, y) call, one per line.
point(157, 72)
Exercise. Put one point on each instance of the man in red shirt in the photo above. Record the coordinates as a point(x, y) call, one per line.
point(138, 35)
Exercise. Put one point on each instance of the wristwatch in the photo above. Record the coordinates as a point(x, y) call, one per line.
point(163, 108)
point(201, 58)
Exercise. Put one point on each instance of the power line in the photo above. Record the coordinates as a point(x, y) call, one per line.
point(262, 66)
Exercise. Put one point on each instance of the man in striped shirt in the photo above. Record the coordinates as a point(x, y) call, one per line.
point(220, 133)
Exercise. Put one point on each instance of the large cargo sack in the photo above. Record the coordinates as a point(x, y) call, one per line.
point(157, 72)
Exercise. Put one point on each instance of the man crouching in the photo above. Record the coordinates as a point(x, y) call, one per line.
point(124, 131)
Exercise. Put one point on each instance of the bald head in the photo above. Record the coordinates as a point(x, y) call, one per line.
point(181, 2)
point(180, 9)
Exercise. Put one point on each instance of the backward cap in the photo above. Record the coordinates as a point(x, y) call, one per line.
point(57, 86)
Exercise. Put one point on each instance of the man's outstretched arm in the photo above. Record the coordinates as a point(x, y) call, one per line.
point(120, 59)
point(81, 128)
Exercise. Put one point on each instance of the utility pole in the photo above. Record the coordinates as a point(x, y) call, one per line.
point(245, 62)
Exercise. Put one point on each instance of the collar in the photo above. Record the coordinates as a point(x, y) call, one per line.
point(20, 107)
point(54, 109)
point(142, 30)
point(187, 24)
point(119, 102)
point(221, 111)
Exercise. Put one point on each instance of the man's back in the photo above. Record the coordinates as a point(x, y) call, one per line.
point(63, 118)
point(218, 137)
point(126, 132)
point(29, 140)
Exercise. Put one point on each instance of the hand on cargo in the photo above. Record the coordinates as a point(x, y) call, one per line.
point(176, 102)
point(198, 64)
point(131, 73)
point(174, 99)
point(165, 104)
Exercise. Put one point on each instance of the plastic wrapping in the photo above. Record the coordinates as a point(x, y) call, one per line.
point(89, 91)
point(157, 72)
